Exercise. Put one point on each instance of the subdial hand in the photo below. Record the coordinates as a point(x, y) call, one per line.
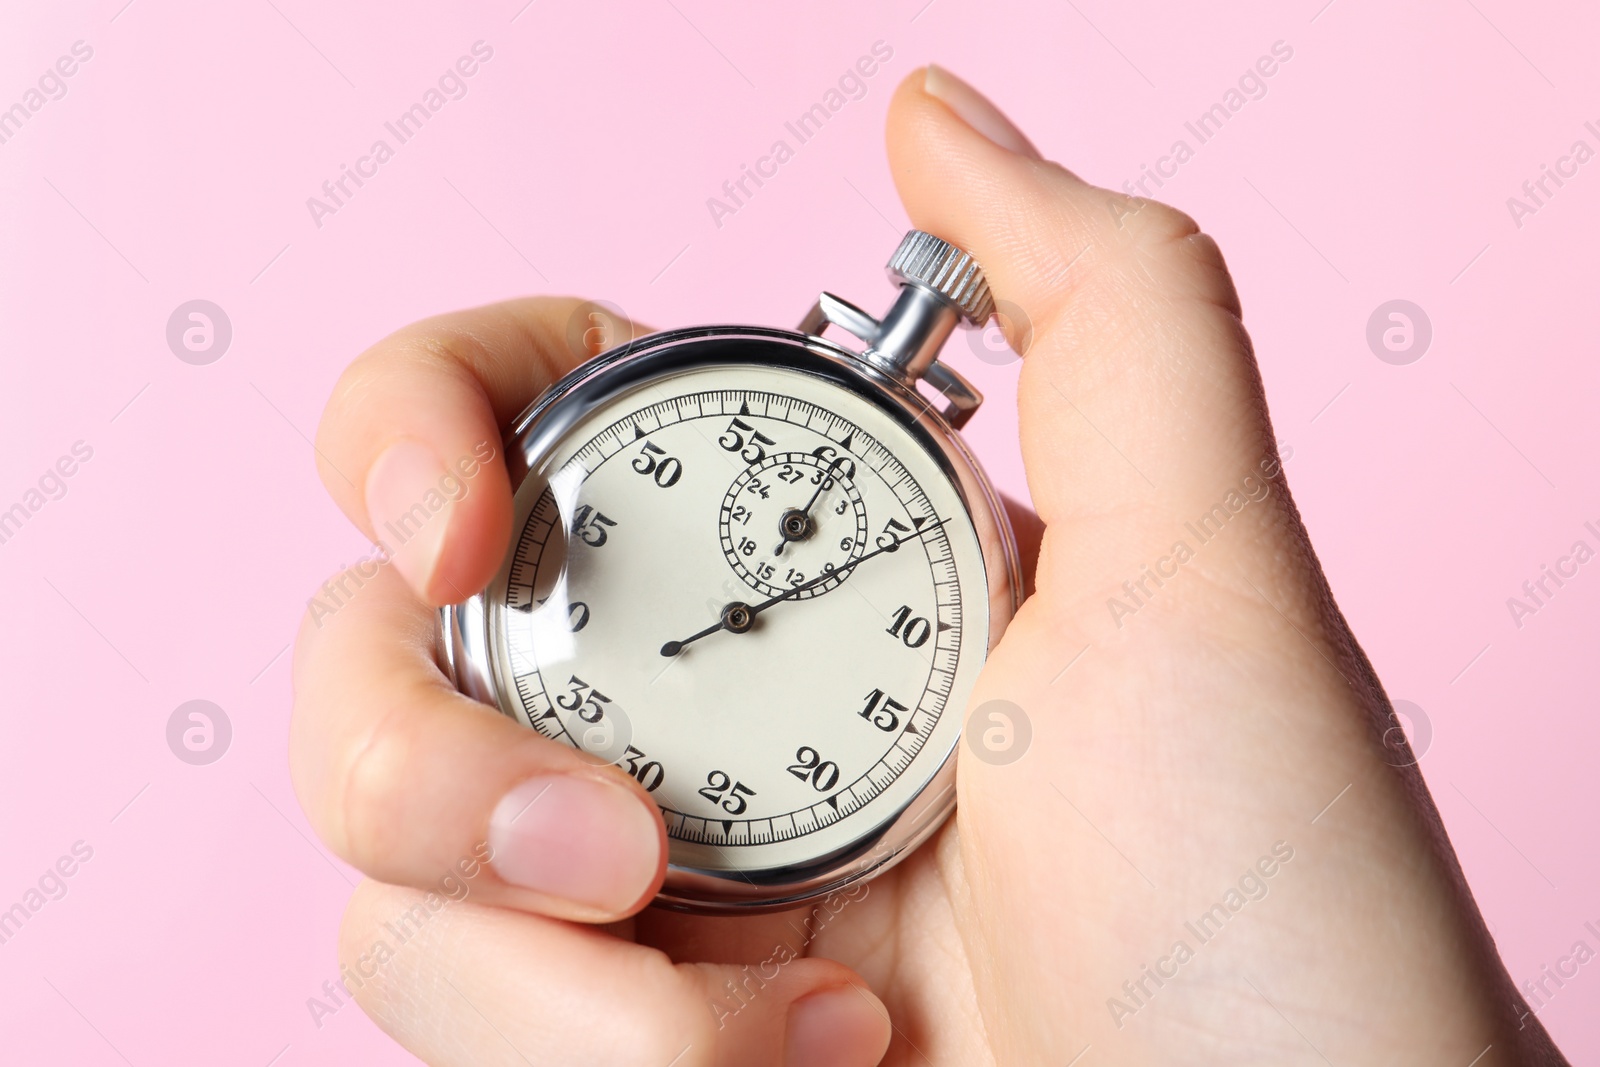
point(739, 617)
point(795, 524)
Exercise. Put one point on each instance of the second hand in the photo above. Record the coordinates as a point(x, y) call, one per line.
point(738, 618)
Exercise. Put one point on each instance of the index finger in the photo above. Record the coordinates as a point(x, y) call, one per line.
point(409, 444)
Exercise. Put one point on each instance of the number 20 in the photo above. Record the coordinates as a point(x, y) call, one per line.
point(823, 775)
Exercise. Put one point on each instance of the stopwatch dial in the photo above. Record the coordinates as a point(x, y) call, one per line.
point(792, 518)
point(758, 594)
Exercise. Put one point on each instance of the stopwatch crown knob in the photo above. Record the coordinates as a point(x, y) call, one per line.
point(937, 265)
point(940, 286)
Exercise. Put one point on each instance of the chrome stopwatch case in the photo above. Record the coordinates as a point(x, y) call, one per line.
point(758, 571)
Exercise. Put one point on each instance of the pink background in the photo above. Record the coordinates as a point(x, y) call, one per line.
point(178, 164)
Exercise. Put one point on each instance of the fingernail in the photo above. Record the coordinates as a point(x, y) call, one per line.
point(976, 111)
point(409, 508)
point(837, 1028)
point(576, 838)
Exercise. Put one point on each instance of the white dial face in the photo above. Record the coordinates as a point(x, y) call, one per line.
point(759, 595)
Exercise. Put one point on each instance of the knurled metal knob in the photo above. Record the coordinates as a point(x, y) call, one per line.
point(924, 260)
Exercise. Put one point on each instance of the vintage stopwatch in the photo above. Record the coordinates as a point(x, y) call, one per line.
point(758, 572)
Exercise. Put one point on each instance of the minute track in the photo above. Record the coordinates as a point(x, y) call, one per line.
point(702, 417)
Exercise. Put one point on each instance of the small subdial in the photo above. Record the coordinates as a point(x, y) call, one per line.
point(792, 518)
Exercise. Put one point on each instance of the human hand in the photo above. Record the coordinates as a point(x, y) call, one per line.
point(1218, 740)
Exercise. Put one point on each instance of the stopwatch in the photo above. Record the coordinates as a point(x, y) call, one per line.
point(758, 571)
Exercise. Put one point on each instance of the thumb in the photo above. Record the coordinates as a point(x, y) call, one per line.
point(807, 1012)
point(1139, 397)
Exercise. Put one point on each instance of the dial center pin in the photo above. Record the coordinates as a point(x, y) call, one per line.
point(795, 525)
point(738, 618)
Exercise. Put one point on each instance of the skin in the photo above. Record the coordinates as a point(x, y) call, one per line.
point(1231, 714)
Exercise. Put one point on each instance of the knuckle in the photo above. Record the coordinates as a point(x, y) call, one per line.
point(352, 392)
point(370, 796)
point(1145, 244)
point(1146, 224)
point(318, 679)
point(348, 759)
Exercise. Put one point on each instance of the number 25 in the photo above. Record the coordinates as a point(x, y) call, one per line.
point(717, 783)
